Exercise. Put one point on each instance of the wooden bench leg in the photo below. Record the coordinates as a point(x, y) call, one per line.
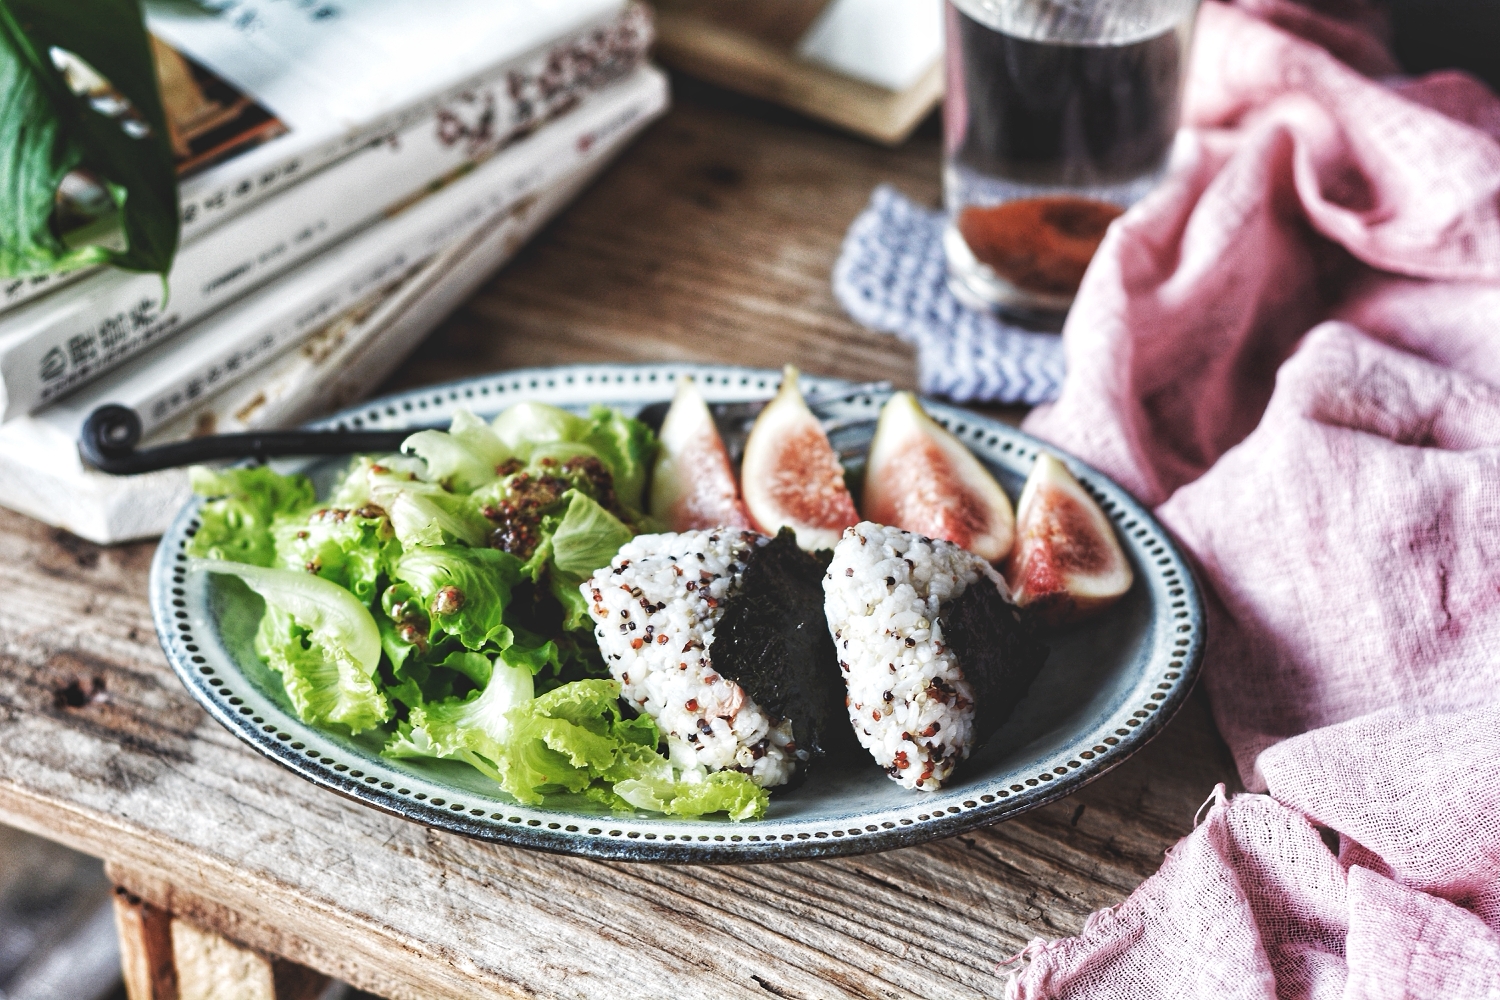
point(145, 948)
point(163, 957)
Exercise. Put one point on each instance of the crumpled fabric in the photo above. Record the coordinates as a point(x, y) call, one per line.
point(1292, 351)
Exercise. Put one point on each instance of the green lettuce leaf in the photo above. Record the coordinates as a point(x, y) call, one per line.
point(565, 588)
point(237, 525)
point(626, 446)
point(525, 427)
point(352, 548)
point(324, 642)
point(567, 738)
point(728, 792)
point(587, 537)
point(352, 489)
point(480, 438)
point(47, 131)
point(534, 431)
point(426, 514)
point(532, 651)
point(475, 666)
point(464, 727)
point(450, 461)
point(419, 674)
point(320, 689)
point(463, 591)
point(533, 568)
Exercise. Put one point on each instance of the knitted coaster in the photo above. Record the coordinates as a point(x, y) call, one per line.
point(891, 276)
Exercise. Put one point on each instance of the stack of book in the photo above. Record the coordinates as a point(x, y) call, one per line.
point(349, 173)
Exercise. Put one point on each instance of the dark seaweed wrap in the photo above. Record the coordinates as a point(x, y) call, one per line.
point(996, 646)
point(773, 641)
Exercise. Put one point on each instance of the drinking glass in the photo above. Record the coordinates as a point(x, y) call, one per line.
point(1059, 114)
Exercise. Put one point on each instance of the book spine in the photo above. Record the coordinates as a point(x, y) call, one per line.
point(51, 347)
point(483, 113)
point(255, 330)
point(359, 353)
point(475, 120)
point(17, 291)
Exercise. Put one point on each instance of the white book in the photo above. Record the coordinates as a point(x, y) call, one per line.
point(339, 73)
point(160, 384)
point(525, 81)
point(41, 474)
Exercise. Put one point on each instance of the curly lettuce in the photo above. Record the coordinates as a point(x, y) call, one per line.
point(352, 548)
point(571, 740)
point(322, 640)
point(464, 591)
point(236, 524)
point(387, 609)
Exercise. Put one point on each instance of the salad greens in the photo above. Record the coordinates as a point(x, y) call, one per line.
point(433, 599)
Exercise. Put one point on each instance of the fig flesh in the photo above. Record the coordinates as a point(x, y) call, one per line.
point(921, 478)
point(790, 475)
point(693, 484)
point(1067, 563)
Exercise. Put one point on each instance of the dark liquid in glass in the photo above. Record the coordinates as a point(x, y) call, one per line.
point(1063, 113)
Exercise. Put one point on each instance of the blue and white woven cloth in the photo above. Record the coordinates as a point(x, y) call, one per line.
point(891, 276)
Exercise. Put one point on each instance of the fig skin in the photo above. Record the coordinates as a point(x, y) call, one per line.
point(790, 476)
point(921, 478)
point(692, 484)
point(1067, 563)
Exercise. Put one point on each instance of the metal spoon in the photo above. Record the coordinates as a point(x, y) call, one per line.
point(111, 433)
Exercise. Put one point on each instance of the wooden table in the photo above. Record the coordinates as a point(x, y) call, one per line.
point(711, 239)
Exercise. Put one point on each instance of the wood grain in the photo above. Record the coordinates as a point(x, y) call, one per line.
point(712, 240)
point(145, 933)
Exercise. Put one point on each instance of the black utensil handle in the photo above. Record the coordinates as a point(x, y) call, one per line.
point(110, 434)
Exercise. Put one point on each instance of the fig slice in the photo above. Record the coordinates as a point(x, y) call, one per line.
point(693, 484)
point(920, 478)
point(790, 475)
point(1067, 563)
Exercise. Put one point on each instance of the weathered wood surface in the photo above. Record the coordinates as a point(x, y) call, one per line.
point(711, 239)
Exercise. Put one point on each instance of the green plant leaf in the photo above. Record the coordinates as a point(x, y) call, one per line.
point(46, 131)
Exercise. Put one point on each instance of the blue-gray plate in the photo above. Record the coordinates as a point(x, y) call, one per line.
point(1109, 684)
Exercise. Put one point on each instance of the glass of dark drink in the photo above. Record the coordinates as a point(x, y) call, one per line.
point(1059, 115)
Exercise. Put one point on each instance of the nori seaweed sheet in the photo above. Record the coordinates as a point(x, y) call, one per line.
point(996, 646)
point(773, 641)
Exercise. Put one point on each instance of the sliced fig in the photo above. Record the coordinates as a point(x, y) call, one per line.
point(790, 475)
point(693, 484)
point(921, 478)
point(1067, 563)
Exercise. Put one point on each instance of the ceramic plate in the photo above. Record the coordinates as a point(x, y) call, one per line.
point(1107, 687)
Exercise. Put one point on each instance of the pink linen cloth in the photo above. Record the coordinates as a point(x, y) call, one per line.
point(1292, 351)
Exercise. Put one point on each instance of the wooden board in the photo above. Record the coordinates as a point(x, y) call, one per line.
point(711, 239)
point(718, 51)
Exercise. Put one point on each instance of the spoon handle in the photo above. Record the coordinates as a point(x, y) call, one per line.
point(111, 433)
